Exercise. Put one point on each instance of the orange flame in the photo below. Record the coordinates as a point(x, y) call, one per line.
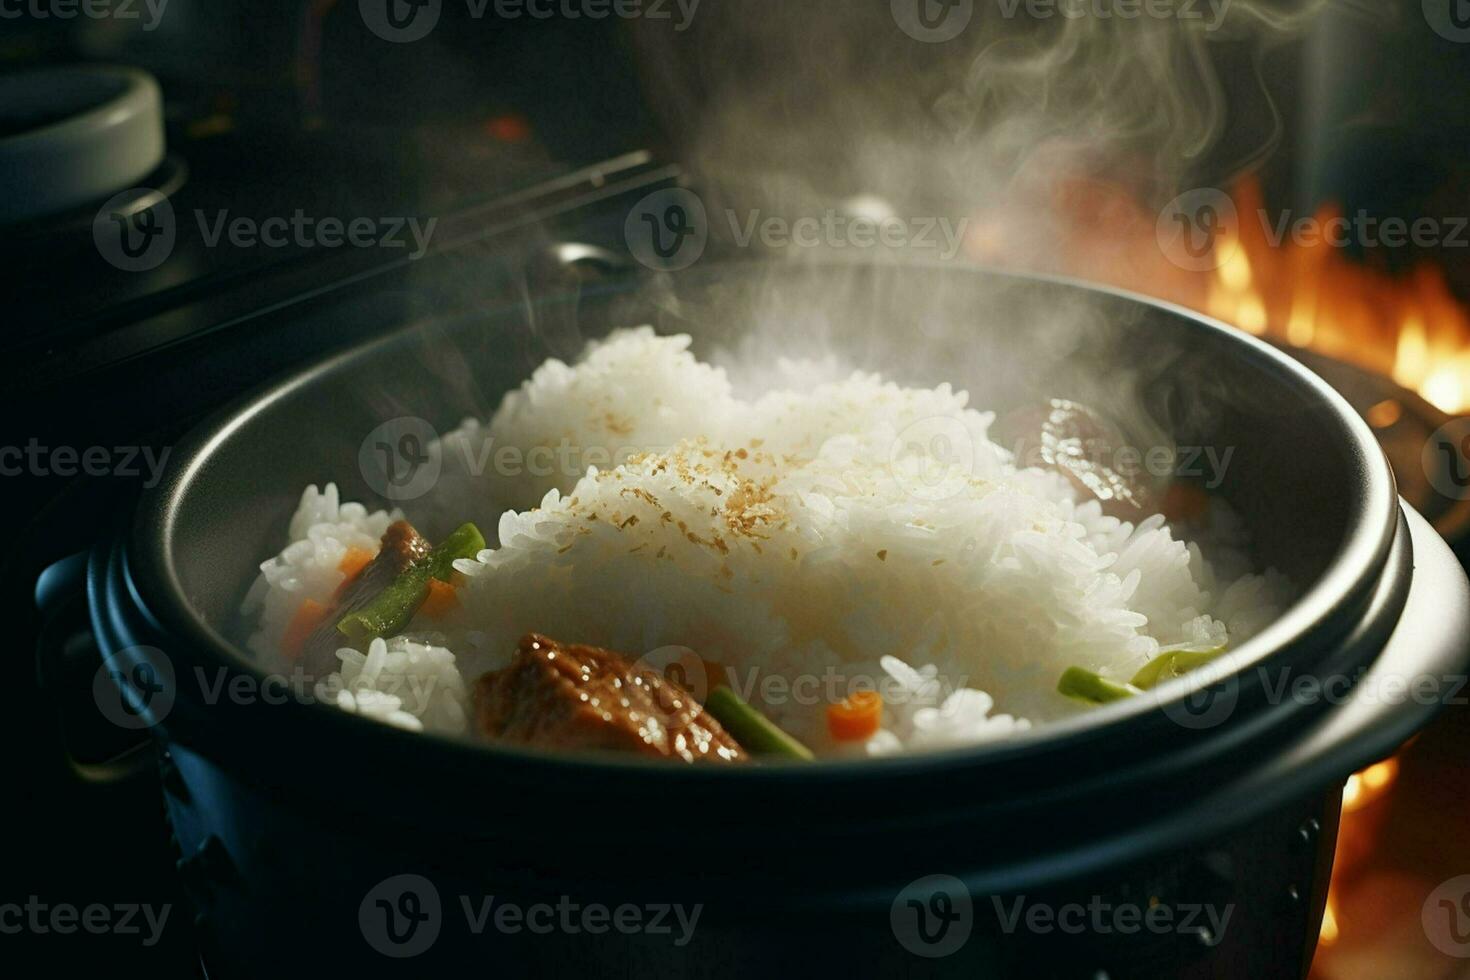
point(1308, 293)
point(1356, 836)
point(1300, 290)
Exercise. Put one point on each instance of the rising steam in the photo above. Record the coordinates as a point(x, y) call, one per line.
point(802, 103)
point(796, 108)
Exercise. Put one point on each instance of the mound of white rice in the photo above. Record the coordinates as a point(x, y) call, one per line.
point(809, 543)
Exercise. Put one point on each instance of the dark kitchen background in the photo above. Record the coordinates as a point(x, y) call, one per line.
point(521, 134)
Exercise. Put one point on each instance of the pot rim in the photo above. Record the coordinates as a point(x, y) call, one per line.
point(1339, 593)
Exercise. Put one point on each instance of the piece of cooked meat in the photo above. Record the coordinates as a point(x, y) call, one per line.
point(401, 546)
point(574, 697)
point(1079, 443)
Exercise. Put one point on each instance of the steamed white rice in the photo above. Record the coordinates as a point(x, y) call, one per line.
point(811, 542)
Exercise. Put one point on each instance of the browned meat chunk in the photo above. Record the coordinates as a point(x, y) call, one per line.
point(401, 546)
point(572, 697)
point(1088, 450)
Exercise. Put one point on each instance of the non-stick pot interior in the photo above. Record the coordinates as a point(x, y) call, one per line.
point(1245, 424)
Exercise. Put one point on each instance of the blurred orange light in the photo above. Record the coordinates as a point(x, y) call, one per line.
point(508, 128)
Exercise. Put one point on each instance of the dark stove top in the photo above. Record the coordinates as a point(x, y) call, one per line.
point(232, 207)
point(103, 355)
point(208, 330)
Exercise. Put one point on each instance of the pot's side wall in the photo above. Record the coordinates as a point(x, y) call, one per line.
point(280, 890)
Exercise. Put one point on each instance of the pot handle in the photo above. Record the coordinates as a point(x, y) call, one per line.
point(1384, 709)
point(1430, 644)
point(97, 742)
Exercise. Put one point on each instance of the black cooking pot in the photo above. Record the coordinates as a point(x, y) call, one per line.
point(1214, 800)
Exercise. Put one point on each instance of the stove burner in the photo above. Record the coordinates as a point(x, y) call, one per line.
point(72, 136)
point(75, 225)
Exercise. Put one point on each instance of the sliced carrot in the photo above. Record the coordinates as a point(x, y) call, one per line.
point(440, 600)
point(351, 566)
point(354, 561)
point(308, 617)
point(856, 717)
